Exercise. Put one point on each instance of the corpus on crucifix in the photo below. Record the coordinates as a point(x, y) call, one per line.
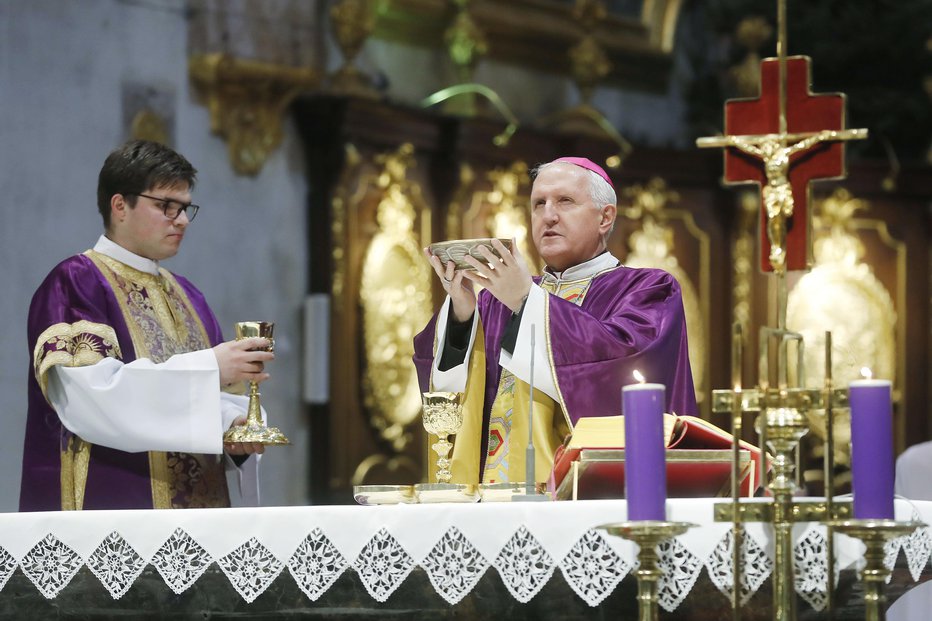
point(775, 151)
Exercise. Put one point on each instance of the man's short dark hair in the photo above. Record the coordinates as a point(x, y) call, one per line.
point(137, 166)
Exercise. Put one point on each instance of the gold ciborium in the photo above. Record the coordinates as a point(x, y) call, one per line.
point(255, 430)
point(443, 417)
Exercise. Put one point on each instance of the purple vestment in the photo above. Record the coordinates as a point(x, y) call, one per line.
point(76, 293)
point(630, 319)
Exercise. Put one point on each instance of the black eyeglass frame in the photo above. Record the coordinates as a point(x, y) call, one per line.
point(167, 203)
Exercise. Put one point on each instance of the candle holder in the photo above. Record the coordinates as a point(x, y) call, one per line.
point(647, 534)
point(874, 534)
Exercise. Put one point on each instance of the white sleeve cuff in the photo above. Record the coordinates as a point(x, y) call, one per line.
point(143, 406)
point(519, 362)
point(451, 380)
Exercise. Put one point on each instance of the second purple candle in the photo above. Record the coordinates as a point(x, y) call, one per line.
point(645, 453)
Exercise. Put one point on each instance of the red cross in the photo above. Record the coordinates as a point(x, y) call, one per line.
point(805, 112)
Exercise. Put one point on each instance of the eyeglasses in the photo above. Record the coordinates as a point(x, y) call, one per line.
point(173, 209)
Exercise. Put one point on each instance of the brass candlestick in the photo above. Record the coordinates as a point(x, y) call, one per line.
point(647, 534)
point(874, 534)
point(255, 430)
point(443, 417)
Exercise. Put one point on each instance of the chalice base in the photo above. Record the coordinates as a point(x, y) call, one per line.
point(259, 434)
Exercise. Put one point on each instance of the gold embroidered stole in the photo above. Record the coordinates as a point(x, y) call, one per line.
point(162, 322)
point(508, 423)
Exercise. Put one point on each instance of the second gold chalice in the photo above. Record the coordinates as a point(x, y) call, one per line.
point(443, 417)
point(255, 430)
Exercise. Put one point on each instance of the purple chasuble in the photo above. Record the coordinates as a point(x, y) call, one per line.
point(630, 318)
point(77, 291)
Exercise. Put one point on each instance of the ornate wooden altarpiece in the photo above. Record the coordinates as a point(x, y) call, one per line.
point(387, 180)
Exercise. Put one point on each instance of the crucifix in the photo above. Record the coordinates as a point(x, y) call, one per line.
point(782, 140)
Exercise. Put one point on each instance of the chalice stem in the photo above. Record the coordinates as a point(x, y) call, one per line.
point(253, 413)
point(442, 448)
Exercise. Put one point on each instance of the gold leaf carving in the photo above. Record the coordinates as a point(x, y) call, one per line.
point(247, 100)
point(652, 247)
point(396, 302)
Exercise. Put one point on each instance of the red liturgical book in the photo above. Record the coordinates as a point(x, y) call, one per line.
point(699, 455)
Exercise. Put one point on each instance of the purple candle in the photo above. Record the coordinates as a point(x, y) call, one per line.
point(645, 458)
point(872, 449)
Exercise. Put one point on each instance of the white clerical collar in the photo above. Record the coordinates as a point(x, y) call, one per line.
point(110, 248)
point(586, 269)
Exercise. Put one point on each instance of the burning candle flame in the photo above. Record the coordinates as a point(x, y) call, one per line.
point(639, 377)
point(866, 373)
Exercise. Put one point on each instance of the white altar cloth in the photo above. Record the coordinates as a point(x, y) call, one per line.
point(454, 544)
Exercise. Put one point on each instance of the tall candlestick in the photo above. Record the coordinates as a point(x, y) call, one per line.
point(872, 449)
point(645, 458)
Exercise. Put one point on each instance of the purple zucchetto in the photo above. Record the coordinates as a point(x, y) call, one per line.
point(588, 164)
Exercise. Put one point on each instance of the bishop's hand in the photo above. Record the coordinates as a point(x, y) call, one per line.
point(506, 277)
point(462, 295)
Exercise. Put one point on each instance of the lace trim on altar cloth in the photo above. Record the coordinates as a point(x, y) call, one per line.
point(592, 567)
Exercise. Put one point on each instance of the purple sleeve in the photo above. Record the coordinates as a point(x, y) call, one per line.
point(631, 319)
point(74, 291)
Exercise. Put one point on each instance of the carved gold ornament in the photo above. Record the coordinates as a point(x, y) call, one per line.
point(843, 295)
point(396, 302)
point(247, 100)
point(353, 22)
point(652, 246)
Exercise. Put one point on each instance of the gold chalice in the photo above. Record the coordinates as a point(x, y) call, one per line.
point(443, 417)
point(255, 430)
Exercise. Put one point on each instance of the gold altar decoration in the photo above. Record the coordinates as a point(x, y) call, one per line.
point(396, 301)
point(148, 125)
point(255, 430)
point(443, 417)
point(637, 41)
point(743, 259)
point(590, 65)
point(587, 58)
point(751, 33)
point(466, 45)
point(247, 100)
point(841, 279)
point(352, 21)
point(652, 246)
point(875, 534)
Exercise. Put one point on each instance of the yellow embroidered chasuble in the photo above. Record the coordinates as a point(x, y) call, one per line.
point(162, 322)
point(508, 420)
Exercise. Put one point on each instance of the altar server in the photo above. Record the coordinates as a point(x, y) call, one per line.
point(128, 365)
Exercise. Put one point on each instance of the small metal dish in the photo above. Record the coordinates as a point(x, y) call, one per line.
point(446, 492)
point(384, 494)
point(457, 249)
point(505, 492)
